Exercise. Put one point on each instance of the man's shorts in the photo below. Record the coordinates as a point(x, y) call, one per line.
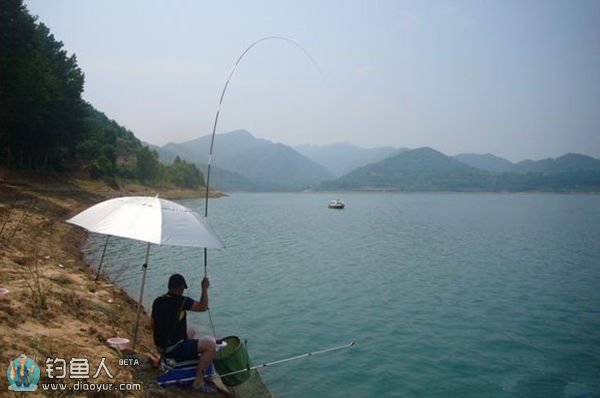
point(185, 350)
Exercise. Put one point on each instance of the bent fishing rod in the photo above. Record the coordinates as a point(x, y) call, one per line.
point(293, 358)
point(212, 139)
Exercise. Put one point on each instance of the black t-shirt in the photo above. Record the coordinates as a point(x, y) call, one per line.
point(168, 313)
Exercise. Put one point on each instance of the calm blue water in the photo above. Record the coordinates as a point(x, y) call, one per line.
point(446, 295)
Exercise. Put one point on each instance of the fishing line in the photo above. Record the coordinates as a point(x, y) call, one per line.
point(237, 63)
point(212, 139)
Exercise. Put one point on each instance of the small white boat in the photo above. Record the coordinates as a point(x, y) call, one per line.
point(336, 204)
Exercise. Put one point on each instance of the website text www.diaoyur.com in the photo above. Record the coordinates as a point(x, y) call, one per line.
point(98, 387)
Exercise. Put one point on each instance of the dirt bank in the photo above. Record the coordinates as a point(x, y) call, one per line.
point(54, 310)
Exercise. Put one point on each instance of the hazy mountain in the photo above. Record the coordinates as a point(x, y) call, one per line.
point(487, 162)
point(422, 169)
point(426, 169)
point(343, 157)
point(226, 148)
point(164, 156)
point(225, 180)
point(244, 162)
point(570, 162)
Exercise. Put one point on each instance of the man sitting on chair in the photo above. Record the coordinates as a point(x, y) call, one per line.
point(170, 329)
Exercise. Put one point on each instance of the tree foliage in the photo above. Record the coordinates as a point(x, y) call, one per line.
point(46, 125)
point(184, 174)
point(41, 110)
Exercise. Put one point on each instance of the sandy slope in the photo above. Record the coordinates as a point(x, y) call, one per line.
point(54, 308)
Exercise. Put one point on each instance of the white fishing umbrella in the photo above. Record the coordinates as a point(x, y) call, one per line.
point(149, 219)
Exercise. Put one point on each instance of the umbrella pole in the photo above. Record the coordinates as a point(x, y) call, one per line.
point(139, 309)
point(212, 325)
point(102, 258)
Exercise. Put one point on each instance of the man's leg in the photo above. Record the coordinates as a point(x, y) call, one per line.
point(206, 351)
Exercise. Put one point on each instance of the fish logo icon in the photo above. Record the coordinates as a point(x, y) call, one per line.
point(23, 374)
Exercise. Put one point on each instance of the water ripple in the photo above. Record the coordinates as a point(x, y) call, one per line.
point(446, 295)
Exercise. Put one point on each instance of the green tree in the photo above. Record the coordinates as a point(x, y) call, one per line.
point(184, 174)
point(147, 166)
point(41, 111)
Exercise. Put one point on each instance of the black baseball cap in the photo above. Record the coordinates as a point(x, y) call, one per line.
point(177, 280)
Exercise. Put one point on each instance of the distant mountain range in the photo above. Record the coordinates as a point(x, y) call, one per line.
point(487, 162)
point(244, 162)
point(571, 162)
point(421, 169)
point(426, 169)
point(342, 158)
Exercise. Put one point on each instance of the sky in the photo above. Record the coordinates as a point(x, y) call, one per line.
point(516, 78)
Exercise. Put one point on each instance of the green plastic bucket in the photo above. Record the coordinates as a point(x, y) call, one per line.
point(232, 358)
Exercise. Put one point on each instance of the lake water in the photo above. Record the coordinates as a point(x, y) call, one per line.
point(446, 295)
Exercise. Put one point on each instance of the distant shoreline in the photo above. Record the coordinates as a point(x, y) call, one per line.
point(460, 192)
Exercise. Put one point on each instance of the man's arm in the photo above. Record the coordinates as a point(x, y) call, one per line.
point(202, 305)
